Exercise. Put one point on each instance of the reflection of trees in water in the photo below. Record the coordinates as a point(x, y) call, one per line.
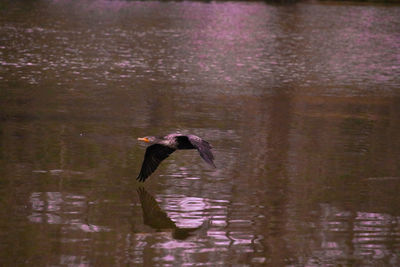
point(307, 144)
point(65, 209)
point(356, 237)
point(336, 234)
point(223, 237)
point(338, 146)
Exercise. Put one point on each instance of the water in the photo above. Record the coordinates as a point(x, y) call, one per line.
point(301, 103)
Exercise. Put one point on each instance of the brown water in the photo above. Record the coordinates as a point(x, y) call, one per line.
point(301, 104)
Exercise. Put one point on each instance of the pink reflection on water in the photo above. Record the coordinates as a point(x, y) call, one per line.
point(188, 225)
point(64, 209)
point(372, 234)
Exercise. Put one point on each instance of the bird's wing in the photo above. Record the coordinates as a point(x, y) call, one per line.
point(152, 158)
point(204, 149)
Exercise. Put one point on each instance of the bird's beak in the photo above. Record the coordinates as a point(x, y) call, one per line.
point(143, 139)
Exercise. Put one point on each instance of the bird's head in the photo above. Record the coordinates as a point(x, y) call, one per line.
point(148, 139)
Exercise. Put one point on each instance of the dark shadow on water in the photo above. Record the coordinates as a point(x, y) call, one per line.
point(158, 219)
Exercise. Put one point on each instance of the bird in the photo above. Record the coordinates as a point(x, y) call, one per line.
point(162, 147)
point(158, 219)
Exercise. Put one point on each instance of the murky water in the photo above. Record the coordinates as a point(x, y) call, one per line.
point(301, 103)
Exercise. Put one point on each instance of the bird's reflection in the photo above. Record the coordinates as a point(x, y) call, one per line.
point(157, 219)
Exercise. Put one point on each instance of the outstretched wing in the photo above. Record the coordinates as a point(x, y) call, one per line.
point(152, 158)
point(203, 147)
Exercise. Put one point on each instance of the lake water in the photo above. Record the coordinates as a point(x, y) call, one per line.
point(301, 103)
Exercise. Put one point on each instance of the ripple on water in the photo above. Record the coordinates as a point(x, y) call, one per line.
point(61, 208)
point(373, 234)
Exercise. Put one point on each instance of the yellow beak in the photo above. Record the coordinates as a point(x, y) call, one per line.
point(143, 139)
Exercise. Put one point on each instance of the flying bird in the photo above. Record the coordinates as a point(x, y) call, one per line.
point(162, 147)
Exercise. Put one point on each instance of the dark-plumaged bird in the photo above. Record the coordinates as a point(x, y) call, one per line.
point(162, 147)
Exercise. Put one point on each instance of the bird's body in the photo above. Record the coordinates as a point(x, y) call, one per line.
point(162, 147)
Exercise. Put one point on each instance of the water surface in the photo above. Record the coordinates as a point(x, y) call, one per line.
point(301, 103)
